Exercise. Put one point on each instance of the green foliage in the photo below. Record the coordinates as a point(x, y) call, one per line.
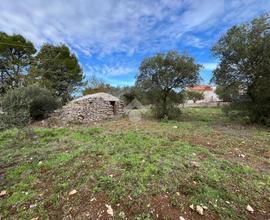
point(41, 102)
point(15, 57)
point(56, 69)
point(173, 113)
point(226, 94)
point(193, 95)
point(26, 103)
point(161, 75)
point(244, 72)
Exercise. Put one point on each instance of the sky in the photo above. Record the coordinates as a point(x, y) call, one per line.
point(111, 37)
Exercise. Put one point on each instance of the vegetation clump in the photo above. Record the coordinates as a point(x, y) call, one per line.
point(24, 104)
point(162, 75)
point(243, 73)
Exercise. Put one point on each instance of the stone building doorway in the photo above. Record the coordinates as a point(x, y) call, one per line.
point(113, 107)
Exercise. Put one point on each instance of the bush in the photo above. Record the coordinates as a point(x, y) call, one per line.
point(41, 102)
point(173, 112)
point(24, 104)
point(246, 110)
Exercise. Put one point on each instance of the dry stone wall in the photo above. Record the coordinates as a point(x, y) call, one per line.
point(90, 110)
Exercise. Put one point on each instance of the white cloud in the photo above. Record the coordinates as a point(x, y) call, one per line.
point(130, 26)
point(110, 71)
point(210, 66)
point(194, 41)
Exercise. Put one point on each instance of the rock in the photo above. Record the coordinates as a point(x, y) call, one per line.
point(195, 164)
point(40, 163)
point(3, 193)
point(175, 126)
point(191, 206)
point(204, 207)
point(36, 218)
point(250, 209)
point(72, 192)
point(181, 218)
point(242, 155)
point(32, 206)
point(93, 199)
point(199, 209)
point(109, 210)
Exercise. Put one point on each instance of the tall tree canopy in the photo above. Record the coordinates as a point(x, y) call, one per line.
point(244, 68)
point(163, 74)
point(15, 57)
point(58, 70)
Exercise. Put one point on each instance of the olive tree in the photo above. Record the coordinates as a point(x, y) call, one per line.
point(164, 75)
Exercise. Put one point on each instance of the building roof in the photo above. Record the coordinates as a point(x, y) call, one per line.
point(201, 88)
point(101, 95)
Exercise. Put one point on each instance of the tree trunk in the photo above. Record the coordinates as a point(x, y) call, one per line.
point(164, 105)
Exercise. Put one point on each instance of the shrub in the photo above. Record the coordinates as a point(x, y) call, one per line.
point(24, 104)
point(173, 112)
point(41, 102)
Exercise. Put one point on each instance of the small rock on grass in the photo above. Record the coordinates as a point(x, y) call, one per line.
point(3, 193)
point(93, 199)
point(242, 155)
point(204, 207)
point(191, 206)
point(72, 192)
point(195, 164)
point(250, 209)
point(181, 218)
point(109, 210)
point(32, 206)
point(199, 209)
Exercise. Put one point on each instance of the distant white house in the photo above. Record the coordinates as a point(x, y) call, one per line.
point(208, 93)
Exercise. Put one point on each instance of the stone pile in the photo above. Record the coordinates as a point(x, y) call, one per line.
point(90, 108)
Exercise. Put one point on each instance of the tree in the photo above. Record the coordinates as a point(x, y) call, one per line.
point(244, 71)
point(226, 94)
point(56, 69)
point(193, 95)
point(163, 74)
point(15, 57)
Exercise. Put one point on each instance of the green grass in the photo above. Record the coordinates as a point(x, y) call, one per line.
point(132, 165)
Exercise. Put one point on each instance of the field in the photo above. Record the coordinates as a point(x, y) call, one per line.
point(144, 170)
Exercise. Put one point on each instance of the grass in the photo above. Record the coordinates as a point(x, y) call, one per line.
point(146, 170)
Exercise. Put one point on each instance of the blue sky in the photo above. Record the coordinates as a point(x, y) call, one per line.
point(111, 37)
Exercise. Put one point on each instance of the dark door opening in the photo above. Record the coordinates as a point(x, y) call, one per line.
point(113, 107)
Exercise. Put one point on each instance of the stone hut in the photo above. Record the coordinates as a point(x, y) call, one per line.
point(90, 108)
